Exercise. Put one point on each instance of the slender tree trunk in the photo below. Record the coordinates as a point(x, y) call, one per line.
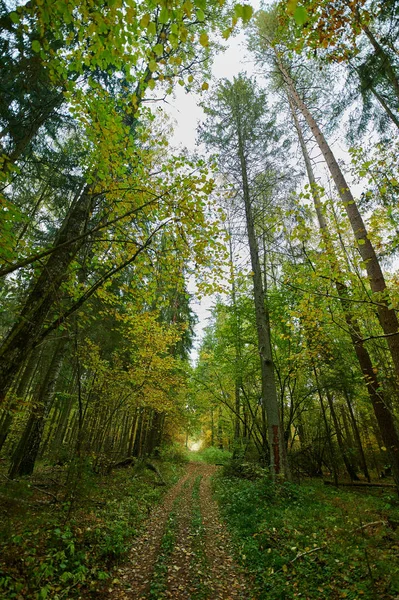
point(387, 317)
point(363, 462)
point(220, 429)
point(277, 454)
point(237, 357)
point(23, 461)
point(387, 65)
point(341, 445)
point(22, 390)
point(139, 434)
point(212, 428)
point(133, 431)
point(327, 427)
point(385, 106)
point(43, 294)
point(381, 410)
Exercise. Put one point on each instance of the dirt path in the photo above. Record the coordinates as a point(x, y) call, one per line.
point(185, 552)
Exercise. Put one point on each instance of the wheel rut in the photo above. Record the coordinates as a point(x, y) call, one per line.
point(185, 552)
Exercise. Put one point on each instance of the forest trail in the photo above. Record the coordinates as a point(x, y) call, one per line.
point(185, 552)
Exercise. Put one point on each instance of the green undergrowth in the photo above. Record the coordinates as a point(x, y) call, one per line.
point(70, 548)
point(311, 541)
point(211, 456)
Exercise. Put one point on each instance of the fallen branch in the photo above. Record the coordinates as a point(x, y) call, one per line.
point(300, 555)
point(44, 492)
point(152, 467)
point(31, 485)
point(373, 524)
point(4, 498)
point(307, 552)
point(362, 484)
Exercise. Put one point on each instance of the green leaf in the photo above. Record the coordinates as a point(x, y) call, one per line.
point(200, 15)
point(247, 12)
point(204, 41)
point(238, 10)
point(300, 15)
point(144, 21)
point(164, 16)
point(36, 47)
point(152, 65)
point(291, 6)
point(152, 28)
point(158, 49)
point(14, 17)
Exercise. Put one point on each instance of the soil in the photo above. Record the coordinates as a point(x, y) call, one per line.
point(199, 565)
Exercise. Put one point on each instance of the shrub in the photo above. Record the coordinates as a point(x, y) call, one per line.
point(244, 470)
point(174, 453)
point(214, 456)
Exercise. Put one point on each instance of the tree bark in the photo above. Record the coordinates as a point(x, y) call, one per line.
point(387, 317)
point(348, 464)
point(381, 410)
point(21, 391)
point(277, 454)
point(43, 294)
point(23, 461)
point(237, 357)
point(327, 428)
point(363, 462)
point(388, 69)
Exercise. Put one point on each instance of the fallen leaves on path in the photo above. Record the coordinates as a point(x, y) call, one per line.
point(200, 565)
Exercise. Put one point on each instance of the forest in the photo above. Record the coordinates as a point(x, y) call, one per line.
point(138, 459)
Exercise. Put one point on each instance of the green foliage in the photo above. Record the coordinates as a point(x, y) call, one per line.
point(174, 453)
point(48, 554)
point(309, 540)
point(211, 456)
point(245, 470)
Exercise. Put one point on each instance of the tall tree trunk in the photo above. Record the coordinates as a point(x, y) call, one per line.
point(23, 461)
point(21, 391)
point(43, 294)
point(133, 432)
point(348, 464)
point(277, 453)
point(327, 427)
point(363, 462)
point(62, 426)
point(220, 429)
point(387, 317)
point(237, 357)
point(386, 62)
point(382, 412)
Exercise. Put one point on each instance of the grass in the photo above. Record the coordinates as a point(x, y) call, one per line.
point(211, 456)
point(57, 550)
point(310, 541)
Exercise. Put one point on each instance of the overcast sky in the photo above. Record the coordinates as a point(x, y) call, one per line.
point(184, 109)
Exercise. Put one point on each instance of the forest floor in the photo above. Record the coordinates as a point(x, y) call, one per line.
point(185, 552)
point(208, 534)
